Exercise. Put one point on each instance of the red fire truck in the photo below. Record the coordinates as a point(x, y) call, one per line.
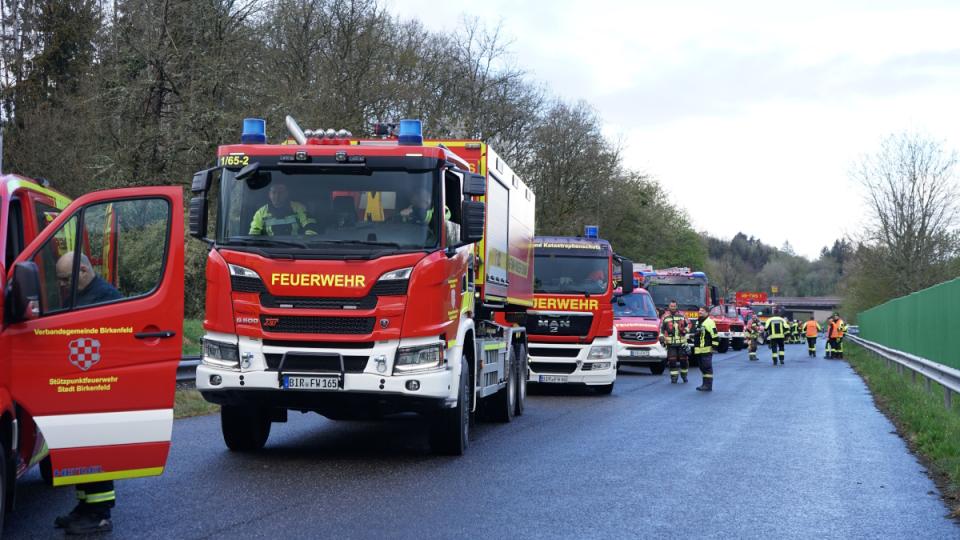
point(572, 337)
point(691, 290)
point(91, 340)
point(334, 284)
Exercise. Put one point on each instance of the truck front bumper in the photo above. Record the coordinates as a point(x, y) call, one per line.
point(570, 363)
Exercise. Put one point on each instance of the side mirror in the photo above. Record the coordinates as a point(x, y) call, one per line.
point(626, 270)
point(714, 296)
point(474, 217)
point(201, 181)
point(474, 184)
point(198, 217)
point(23, 293)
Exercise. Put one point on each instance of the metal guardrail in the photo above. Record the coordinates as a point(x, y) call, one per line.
point(187, 370)
point(945, 376)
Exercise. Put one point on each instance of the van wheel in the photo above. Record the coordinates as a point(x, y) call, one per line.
point(505, 401)
point(520, 374)
point(723, 346)
point(657, 369)
point(244, 428)
point(4, 491)
point(450, 428)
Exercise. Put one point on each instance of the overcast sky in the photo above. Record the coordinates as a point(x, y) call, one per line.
point(751, 115)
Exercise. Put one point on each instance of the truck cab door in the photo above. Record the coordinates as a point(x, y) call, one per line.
point(94, 362)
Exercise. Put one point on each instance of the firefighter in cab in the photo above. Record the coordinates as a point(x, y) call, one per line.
point(281, 216)
point(811, 329)
point(777, 328)
point(673, 336)
point(705, 341)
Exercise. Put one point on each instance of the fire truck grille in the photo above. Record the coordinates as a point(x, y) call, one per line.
point(246, 284)
point(553, 367)
point(566, 352)
point(288, 324)
point(329, 363)
point(640, 337)
point(559, 325)
point(394, 287)
point(736, 328)
point(307, 302)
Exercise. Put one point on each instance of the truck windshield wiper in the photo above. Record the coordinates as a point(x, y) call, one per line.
point(267, 242)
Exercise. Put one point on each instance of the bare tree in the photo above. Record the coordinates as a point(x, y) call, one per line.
point(912, 195)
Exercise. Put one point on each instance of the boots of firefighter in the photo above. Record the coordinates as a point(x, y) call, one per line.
point(683, 375)
point(753, 355)
point(774, 357)
point(707, 384)
point(781, 357)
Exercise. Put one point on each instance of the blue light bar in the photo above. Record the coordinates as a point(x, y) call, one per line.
point(254, 131)
point(411, 133)
point(591, 231)
point(698, 274)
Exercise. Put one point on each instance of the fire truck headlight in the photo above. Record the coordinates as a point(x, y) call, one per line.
point(221, 355)
point(240, 271)
point(600, 365)
point(410, 359)
point(402, 273)
point(600, 351)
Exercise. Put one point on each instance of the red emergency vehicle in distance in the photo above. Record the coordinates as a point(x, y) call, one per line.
point(730, 327)
point(638, 329)
point(89, 386)
point(691, 290)
point(371, 286)
point(571, 324)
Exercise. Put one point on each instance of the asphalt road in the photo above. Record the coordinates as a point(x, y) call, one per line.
point(797, 451)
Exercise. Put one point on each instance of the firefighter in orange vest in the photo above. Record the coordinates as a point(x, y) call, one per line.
point(835, 332)
point(811, 328)
point(673, 336)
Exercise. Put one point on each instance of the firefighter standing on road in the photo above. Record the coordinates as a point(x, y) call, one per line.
point(753, 337)
point(95, 499)
point(776, 333)
point(835, 332)
point(673, 336)
point(705, 342)
point(811, 328)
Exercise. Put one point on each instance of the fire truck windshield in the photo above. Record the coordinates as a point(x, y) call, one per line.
point(570, 275)
point(687, 295)
point(391, 209)
point(634, 305)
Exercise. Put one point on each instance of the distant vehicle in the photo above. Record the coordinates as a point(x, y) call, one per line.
point(853, 329)
point(638, 331)
point(729, 327)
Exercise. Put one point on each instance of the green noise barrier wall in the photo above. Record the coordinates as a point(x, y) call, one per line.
point(925, 323)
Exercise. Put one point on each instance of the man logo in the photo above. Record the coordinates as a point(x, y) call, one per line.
point(270, 322)
point(84, 353)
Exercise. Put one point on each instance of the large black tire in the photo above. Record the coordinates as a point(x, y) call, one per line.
point(504, 403)
point(245, 429)
point(604, 389)
point(521, 378)
point(658, 369)
point(450, 428)
point(738, 344)
point(723, 346)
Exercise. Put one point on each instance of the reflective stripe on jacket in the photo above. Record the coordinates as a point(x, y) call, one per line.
point(707, 338)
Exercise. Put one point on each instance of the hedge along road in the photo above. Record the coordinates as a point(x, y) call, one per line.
point(797, 451)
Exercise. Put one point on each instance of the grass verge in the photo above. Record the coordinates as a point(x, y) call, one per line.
point(188, 402)
point(931, 431)
point(192, 335)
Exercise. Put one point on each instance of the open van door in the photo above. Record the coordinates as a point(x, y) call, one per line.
point(93, 361)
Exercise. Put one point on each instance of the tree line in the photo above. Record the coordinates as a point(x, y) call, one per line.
point(98, 94)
